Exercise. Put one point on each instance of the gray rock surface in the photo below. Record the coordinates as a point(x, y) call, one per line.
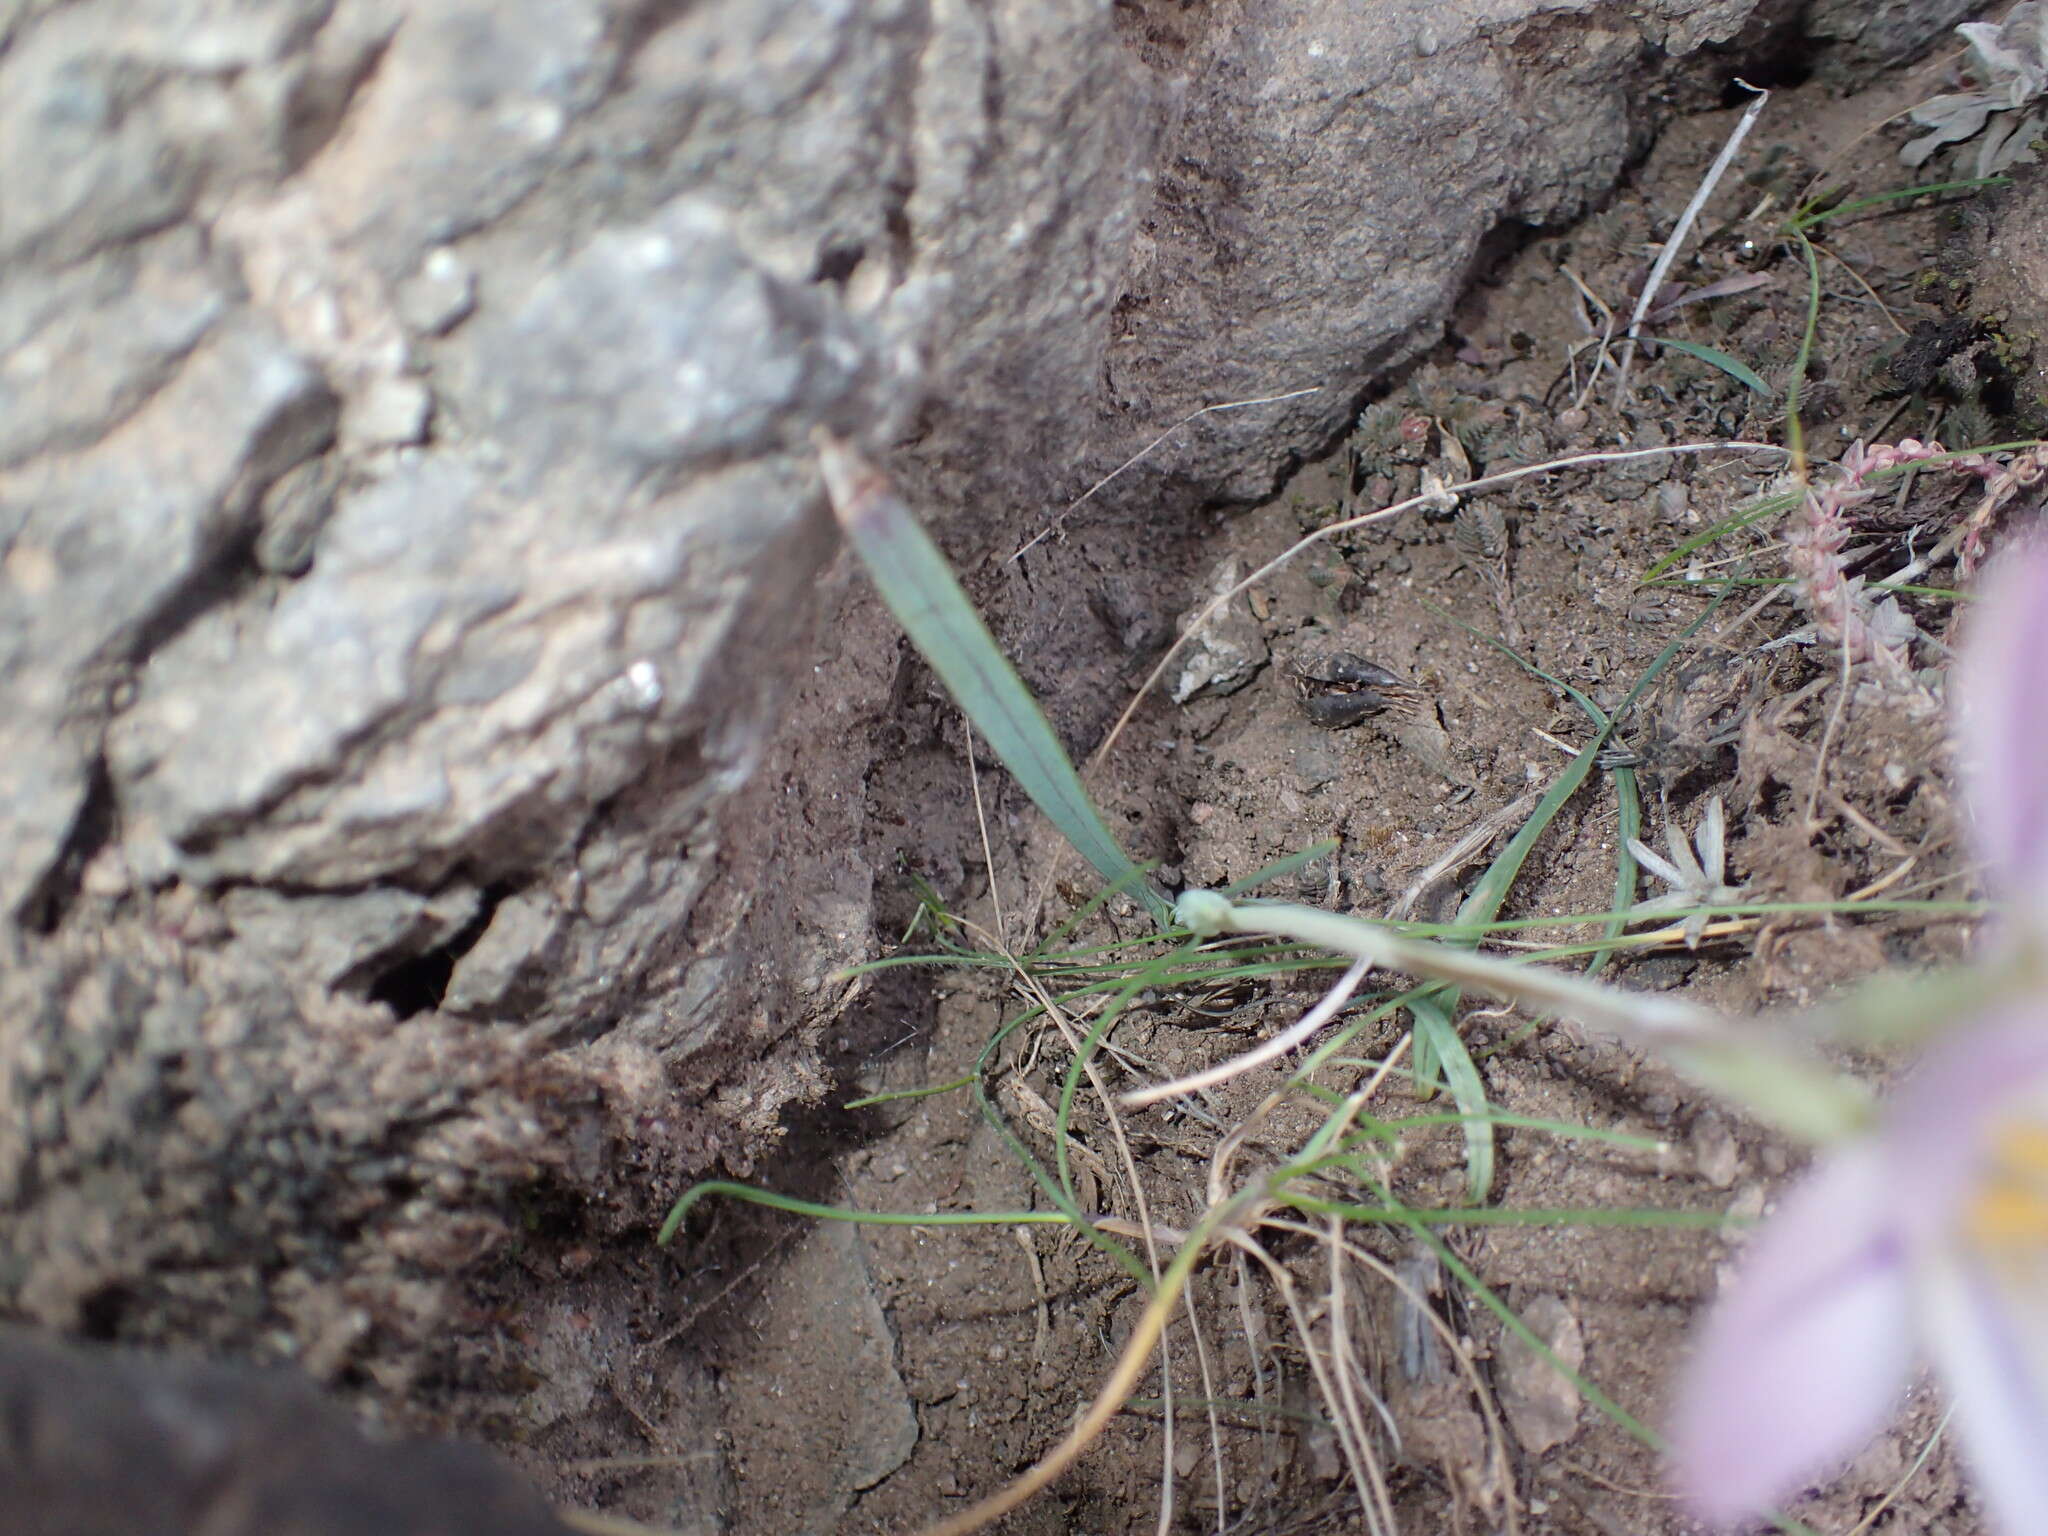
point(434, 753)
point(105, 1443)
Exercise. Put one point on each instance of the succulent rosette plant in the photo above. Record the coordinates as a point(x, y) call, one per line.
point(1925, 1237)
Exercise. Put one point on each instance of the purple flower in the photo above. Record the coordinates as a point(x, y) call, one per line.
point(1928, 1236)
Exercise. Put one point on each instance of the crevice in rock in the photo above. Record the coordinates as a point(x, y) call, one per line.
point(1783, 56)
point(298, 433)
point(418, 983)
point(836, 262)
point(100, 1314)
point(320, 103)
point(42, 910)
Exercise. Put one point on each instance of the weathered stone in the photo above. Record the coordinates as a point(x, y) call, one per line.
point(407, 526)
point(1539, 1401)
point(1868, 33)
point(1225, 651)
point(439, 296)
point(2002, 276)
point(106, 549)
point(820, 1324)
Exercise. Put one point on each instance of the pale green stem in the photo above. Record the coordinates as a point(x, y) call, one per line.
point(1797, 1095)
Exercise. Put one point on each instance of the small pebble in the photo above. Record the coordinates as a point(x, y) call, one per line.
point(439, 296)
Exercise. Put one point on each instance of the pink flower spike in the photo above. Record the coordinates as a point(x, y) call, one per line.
point(1803, 1358)
point(2004, 725)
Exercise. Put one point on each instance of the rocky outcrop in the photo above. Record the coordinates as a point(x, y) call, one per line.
point(428, 764)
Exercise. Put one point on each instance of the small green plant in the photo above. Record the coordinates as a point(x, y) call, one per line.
point(1337, 1177)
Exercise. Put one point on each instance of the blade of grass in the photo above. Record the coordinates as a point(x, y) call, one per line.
point(796, 1207)
point(1628, 823)
point(926, 1092)
point(922, 591)
point(1070, 1085)
point(1714, 357)
point(1062, 1203)
point(1439, 1048)
point(1495, 1216)
point(1743, 517)
point(1279, 867)
point(1563, 1130)
point(1433, 1027)
point(1811, 216)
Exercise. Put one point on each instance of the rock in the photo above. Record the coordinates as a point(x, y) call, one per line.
point(100, 1438)
point(817, 1402)
point(1714, 1149)
point(2003, 250)
point(440, 296)
point(294, 511)
point(390, 412)
point(425, 716)
point(353, 939)
point(1541, 1405)
point(1864, 35)
point(107, 551)
point(1227, 650)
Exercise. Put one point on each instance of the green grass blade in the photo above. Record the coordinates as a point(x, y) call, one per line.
point(1628, 824)
point(1563, 1130)
point(1446, 1051)
point(1279, 867)
point(1433, 1024)
point(926, 1092)
point(1762, 508)
point(1070, 1085)
point(796, 1207)
point(1714, 357)
point(1491, 891)
point(1495, 1216)
point(1116, 1251)
point(1427, 1073)
point(922, 591)
point(1814, 213)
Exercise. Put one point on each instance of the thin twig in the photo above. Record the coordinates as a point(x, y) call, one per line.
point(1676, 239)
point(988, 856)
point(1059, 523)
point(1883, 308)
point(1328, 1008)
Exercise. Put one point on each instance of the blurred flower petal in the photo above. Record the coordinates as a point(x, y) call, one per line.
point(2004, 727)
point(1938, 1121)
point(1990, 1338)
point(1802, 1358)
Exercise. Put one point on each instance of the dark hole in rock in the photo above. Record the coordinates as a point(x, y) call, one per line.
point(1787, 60)
point(417, 983)
point(836, 263)
point(100, 1314)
